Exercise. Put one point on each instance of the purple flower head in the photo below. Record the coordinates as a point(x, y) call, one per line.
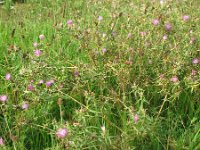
point(35, 44)
point(104, 50)
point(41, 37)
point(30, 87)
point(1, 141)
point(136, 118)
point(174, 79)
point(8, 76)
point(194, 72)
point(195, 61)
point(3, 98)
point(69, 23)
point(49, 83)
point(186, 18)
point(168, 27)
point(37, 53)
point(61, 133)
point(25, 105)
point(100, 18)
point(155, 22)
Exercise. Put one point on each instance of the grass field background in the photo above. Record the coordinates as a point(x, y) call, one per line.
point(114, 74)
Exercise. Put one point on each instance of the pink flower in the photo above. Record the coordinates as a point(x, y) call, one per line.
point(1, 141)
point(162, 76)
point(76, 73)
point(168, 26)
point(61, 133)
point(41, 37)
point(41, 82)
point(195, 61)
point(165, 37)
point(30, 87)
point(186, 18)
point(61, 85)
point(25, 105)
point(35, 44)
point(8, 76)
point(49, 83)
point(142, 33)
point(69, 23)
point(155, 22)
point(96, 53)
point(3, 98)
point(114, 34)
point(37, 53)
point(128, 62)
point(192, 40)
point(194, 72)
point(174, 79)
point(129, 35)
point(100, 18)
point(136, 118)
point(104, 50)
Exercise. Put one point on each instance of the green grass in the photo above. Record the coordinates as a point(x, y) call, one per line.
point(111, 87)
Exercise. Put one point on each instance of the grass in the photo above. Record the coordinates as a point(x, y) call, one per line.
point(127, 88)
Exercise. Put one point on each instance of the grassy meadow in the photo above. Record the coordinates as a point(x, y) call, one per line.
point(100, 75)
